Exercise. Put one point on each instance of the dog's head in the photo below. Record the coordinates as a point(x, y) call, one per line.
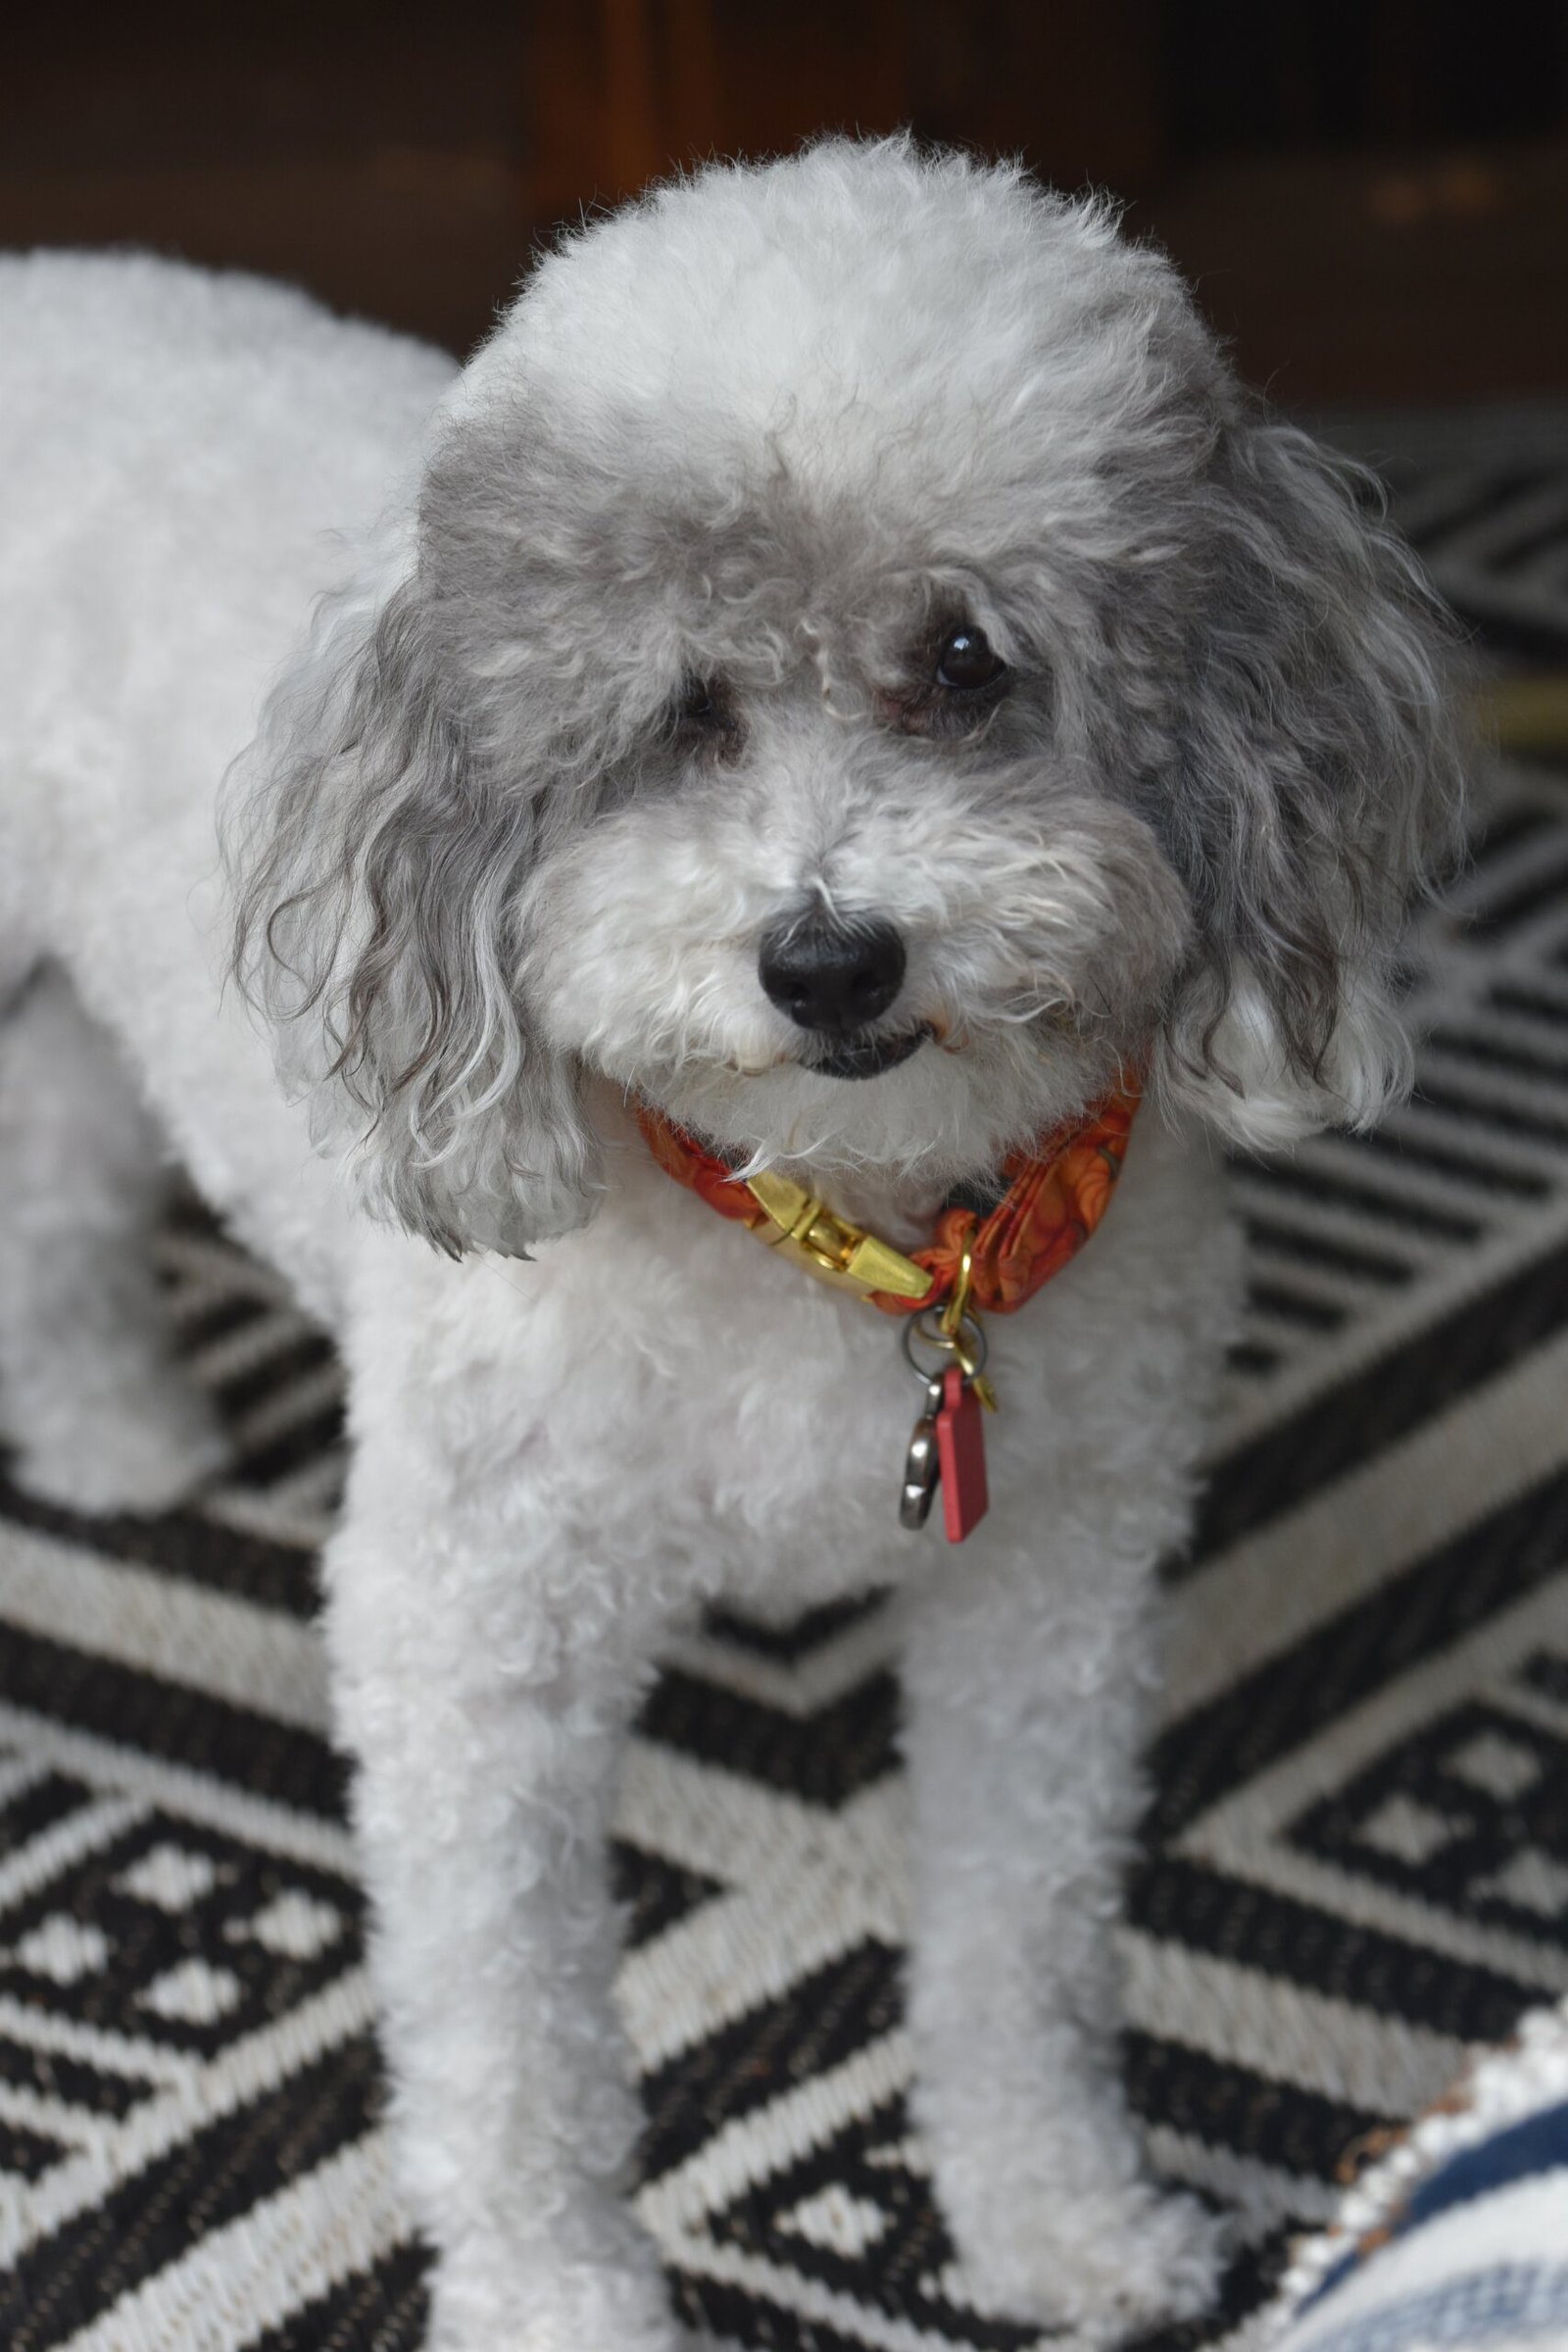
point(863, 677)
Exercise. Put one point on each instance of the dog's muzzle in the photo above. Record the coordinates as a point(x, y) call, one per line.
point(830, 976)
point(835, 979)
point(865, 1057)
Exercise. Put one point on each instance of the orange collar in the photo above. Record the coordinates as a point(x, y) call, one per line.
point(1056, 1197)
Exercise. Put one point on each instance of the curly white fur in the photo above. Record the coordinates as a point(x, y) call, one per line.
point(628, 653)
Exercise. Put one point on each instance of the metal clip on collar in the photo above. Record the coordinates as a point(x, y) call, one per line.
point(958, 1334)
point(806, 1231)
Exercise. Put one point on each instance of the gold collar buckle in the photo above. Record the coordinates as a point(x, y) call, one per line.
point(805, 1230)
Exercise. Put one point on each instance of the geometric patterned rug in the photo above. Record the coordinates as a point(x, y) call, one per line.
point(1357, 1857)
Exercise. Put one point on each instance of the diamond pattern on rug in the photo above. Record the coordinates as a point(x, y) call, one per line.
point(1355, 1862)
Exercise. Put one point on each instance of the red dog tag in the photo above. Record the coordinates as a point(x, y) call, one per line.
point(961, 1452)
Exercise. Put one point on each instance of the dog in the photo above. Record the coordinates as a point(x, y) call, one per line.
point(843, 685)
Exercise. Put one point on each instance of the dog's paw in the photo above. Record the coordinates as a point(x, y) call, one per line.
point(594, 2307)
point(143, 1450)
point(1104, 2266)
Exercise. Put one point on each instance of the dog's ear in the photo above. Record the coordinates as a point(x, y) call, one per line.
point(376, 873)
point(1317, 792)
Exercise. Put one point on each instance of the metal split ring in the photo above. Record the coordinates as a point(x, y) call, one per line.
point(967, 1345)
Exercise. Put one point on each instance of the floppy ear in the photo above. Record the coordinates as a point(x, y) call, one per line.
point(378, 873)
point(1318, 793)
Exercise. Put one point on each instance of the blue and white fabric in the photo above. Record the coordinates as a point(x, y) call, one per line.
point(1458, 2236)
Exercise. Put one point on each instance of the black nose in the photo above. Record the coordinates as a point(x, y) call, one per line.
point(831, 975)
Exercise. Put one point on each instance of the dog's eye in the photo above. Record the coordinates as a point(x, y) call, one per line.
point(967, 661)
point(702, 704)
point(702, 721)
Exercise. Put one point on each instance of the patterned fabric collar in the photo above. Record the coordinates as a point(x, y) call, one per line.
point(1055, 1196)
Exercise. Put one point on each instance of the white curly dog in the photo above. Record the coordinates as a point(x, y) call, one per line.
point(844, 664)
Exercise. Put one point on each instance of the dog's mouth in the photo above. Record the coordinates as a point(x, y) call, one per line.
point(866, 1055)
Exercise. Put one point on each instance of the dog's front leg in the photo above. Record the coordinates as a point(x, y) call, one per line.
point(1027, 1663)
point(485, 1672)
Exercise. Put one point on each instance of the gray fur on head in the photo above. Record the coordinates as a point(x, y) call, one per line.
point(771, 434)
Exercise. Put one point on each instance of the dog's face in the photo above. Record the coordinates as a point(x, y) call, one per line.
point(842, 885)
point(866, 681)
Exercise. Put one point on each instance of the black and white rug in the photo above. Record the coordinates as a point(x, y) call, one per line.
point(1357, 1863)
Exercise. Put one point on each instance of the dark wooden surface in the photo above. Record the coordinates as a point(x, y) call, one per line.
point(1372, 198)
